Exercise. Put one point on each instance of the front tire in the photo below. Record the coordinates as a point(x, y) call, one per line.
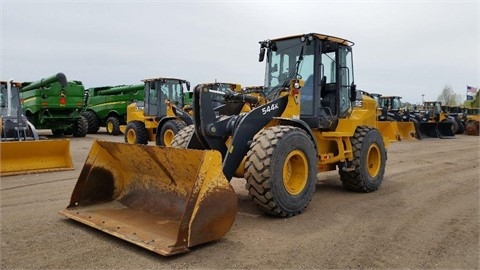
point(281, 170)
point(183, 137)
point(369, 160)
point(168, 132)
point(113, 125)
point(136, 133)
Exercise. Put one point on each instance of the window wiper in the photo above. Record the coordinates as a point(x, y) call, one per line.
point(293, 74)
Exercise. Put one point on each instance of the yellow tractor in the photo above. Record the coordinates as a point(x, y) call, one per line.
point(308, 118)
point(21, 150)
point(159, 116)
point(398, 118)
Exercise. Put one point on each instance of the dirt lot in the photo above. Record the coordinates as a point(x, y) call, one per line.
point(425, 215)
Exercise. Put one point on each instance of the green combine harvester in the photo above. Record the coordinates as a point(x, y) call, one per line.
point(55, 103)
point(107, 106)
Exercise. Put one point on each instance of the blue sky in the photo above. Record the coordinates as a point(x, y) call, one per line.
point(405, 48)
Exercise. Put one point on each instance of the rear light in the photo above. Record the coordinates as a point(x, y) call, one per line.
point(63, 101)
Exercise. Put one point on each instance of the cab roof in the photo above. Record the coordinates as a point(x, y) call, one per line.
point(163, 78)
point(321, 37)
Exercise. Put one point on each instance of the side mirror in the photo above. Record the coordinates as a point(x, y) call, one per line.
point(261, 56)
point(353, 92)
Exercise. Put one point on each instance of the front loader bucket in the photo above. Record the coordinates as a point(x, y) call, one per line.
point(25, 157)
point(427, 129)
point(162, 199)
point(444, 130)
point(405, 130)
point(387, 129)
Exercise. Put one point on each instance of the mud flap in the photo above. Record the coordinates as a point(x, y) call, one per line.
point(387, 130)
point(162, 199)
point(26, 157)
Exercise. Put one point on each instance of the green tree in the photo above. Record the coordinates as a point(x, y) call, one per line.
point(449, 97)
point(476, 101)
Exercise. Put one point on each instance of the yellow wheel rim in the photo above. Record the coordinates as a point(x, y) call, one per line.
point(109, 127)
point(131, 136)
point(168, 137)
point(373, 160)
point(295, 172)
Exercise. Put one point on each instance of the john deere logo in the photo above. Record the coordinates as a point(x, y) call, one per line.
point(63, 99)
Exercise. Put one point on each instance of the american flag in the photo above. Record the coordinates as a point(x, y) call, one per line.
point(471, 92)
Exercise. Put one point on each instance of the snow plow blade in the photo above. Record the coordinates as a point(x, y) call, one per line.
point(405, 130)
point(26, 157)
point(162, 199)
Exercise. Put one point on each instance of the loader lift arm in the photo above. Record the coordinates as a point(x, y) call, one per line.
point(212, 130)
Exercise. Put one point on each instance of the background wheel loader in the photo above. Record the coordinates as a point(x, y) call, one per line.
point(170, 199)
point(437, 124)
point(20, 148)
point(392, 112)
point(160, 115)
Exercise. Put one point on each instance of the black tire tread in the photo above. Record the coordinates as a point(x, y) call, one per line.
point(141, 134)
point(174, 125)
point(116, 125)
point(182, 138)
point(354, 180)
point(80, 128)
point(93, 121)
point(257, 170)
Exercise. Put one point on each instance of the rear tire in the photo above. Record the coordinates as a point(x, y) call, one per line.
point(369, 161)
point(168, 132)
point(93, 121)
point(113, 125)
point(136, 133)
point(281, 170)
point(80, 128)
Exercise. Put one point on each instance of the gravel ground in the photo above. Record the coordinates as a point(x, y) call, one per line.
point(425, 215)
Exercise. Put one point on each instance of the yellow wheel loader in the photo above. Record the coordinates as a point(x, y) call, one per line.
point(438, 124)
point(308, 118)
point(20, 148)
point(399, 119)
point(159, 116)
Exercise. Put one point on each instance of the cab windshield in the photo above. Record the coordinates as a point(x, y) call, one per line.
point(282, 63)
point(172, 89)
point(396, 104)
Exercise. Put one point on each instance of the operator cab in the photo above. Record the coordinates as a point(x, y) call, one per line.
point(325, 65)
point(160, 90)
